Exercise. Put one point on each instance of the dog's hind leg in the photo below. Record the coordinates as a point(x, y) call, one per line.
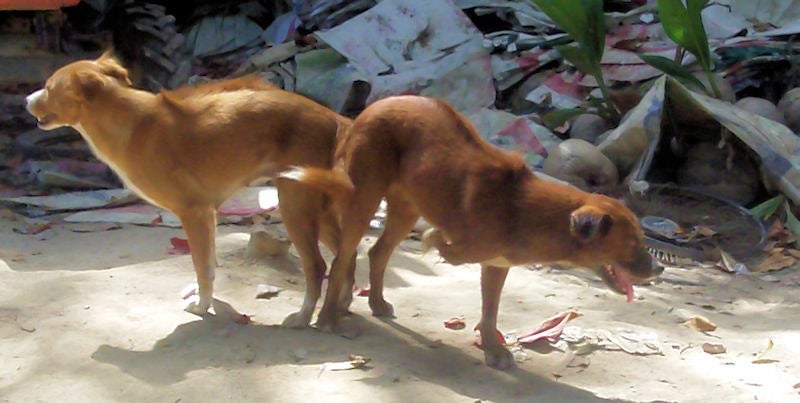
point(400, 220)
point(301, 208)
point(199, 223)
point(330, 235)
point(355, 221)
point(492, 281)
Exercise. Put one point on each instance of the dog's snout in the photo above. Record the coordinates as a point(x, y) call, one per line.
point(33, 97)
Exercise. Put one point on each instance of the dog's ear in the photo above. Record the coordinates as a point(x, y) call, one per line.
point(111, 67)
point(89, 83)
point(588, 223)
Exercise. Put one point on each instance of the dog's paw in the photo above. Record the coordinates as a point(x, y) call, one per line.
point(297, 320)
point(381, 309)
point(345, 300)
point(326, 321)
point(195, 306)
point(499, 358)
point(193, 303)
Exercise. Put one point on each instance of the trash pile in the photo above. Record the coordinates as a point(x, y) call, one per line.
point(498, 63)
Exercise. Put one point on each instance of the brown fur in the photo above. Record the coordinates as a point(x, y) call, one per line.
point(190, 149)
point(485, 204)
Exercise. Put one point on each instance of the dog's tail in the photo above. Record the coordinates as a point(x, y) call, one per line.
point(335, 183)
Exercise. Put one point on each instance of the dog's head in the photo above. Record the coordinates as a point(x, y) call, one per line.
point(71, 88)
point(611, 242)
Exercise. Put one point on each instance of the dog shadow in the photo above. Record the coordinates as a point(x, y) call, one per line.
point(218, 343)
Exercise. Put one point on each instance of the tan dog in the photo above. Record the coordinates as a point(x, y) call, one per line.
point(190, 149)
point(485, 204)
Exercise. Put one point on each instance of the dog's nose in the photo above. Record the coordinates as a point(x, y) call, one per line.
point(33, 97)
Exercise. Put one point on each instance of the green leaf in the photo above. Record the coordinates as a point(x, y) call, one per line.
point(557, 117)
point(768, 208)
point(578, 58)
point(674, 69)
point(792, 223)
point(684, 25)
point(582, 20)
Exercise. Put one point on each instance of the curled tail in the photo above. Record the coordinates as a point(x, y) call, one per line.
point(335, 183)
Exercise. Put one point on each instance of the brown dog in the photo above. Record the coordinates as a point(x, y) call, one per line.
point(190, 149)
point(485, 204)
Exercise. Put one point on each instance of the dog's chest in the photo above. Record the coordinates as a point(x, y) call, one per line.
point(123, 176)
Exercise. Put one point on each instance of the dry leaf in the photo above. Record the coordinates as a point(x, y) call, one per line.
point(361, 292)
point(760, 358)
point(775, 261)
point(355, 362)
point(178, 246)
point(550, 329)
point(455, 323)
point(701, 324)
point(714, 348)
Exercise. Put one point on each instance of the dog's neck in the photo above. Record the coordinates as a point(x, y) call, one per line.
point(109, 134)
point(543, 210)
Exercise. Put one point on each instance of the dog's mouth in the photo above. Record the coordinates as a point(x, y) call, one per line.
point(46, 120)
point(618, 280)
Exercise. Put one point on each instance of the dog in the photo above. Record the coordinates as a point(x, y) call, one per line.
point(485, 206)
point(189, 149)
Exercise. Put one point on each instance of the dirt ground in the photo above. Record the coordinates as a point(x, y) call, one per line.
point(97, 316)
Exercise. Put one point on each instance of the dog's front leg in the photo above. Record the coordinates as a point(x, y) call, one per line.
point(200, 227)
point(492, 280)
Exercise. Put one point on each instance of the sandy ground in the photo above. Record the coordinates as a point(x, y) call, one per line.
point(96, 316)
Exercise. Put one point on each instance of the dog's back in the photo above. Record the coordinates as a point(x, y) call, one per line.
point(424, 148)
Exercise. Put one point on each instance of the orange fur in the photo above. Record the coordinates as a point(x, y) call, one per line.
point(485, 204)
point(189, 149)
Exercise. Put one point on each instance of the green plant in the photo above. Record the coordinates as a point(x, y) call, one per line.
point(683, 23)
point(768, 208)
point(584, 22)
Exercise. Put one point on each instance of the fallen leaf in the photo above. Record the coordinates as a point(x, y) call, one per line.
point(479, 340)
point(775, 260)
point(96, 228)
point(179, 246)
point(355, 362)
point(701, 324)
point(455, 323)
point(714, 348)
point(33, 227)
point(361, 292)
point(241, 318)
point(550, 328)
point(727, 262)
point(760, 357)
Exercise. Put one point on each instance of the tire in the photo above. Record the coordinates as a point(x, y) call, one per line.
point(151, 46)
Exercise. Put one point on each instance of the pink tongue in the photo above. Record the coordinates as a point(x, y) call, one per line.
point(625, 283)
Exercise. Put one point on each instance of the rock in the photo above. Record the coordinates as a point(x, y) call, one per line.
point(588, 127)
point(761, 107)
point(789, 106)
point(581, 164)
